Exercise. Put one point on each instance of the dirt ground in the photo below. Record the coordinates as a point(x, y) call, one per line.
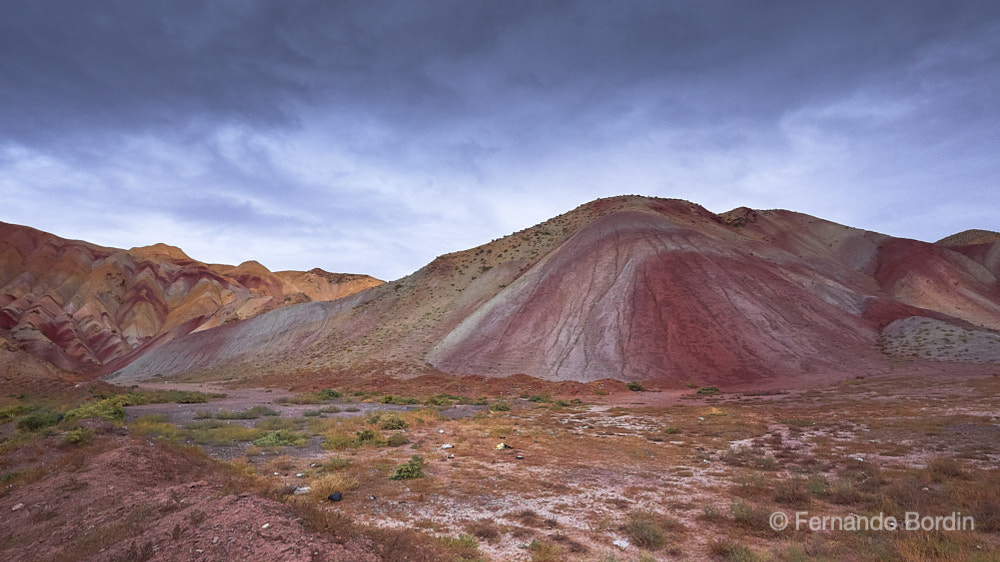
point(576, 479)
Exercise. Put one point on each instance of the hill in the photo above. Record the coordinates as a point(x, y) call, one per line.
point(87, 309)
point(631, 288)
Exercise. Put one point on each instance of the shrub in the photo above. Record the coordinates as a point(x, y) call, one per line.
point(397, 440)
point(943, 469)
point(481, 401)
point(730, 550)
point(78, 436)
point(281, 438)
point(250, 414)
point(634, 386)
point(500, 406)
point(39, 420)
point(540, 398)
point(644, 529)
point(414, 468)
point(400, 400)
point(387, 421)
point(708, 390)
point(337, 463)
point(311, 413)
point(111, 409)
point(330, 483)
point(442, 399)
point(671, 430)
point(330, 410)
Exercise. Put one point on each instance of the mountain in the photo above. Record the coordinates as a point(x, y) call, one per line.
point(88, 309)
point(633, 288)
point(970, 237)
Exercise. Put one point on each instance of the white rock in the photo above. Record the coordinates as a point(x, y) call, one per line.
point(447, 446)
point(300, 474)
point(440, 431)
point(17, 506)
point(265, 525)
point(621, 543)
point(302, 490)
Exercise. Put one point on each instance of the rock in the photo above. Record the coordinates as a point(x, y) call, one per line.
point(519, 457)
point(300, 474)
point(372, 498)
point(447, 446)
point(265, 525)
point(302, 490)
point(17, 506)
point(440, 431)
point(621, 543)
point(335, 497)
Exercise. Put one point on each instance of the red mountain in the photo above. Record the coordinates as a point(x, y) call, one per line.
point(636, 288)
point(91, 309)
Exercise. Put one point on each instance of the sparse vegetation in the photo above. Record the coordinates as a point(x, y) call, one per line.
point(413, 468)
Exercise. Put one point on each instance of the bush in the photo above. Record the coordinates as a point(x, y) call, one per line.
point(708, 390)
point(111, 409)
point(251, 414)
point(414, 468)
point(397, 440)
point(78, 436)
point(442, 399)
point(39, 420)
point(312, 413)
point(400, 400)
point(281, 438)
point(388, 421)
point(337, 463)
point(540, 398)
point(671, 430)
point(634, 386)
point(644, 529)
point(500, 406)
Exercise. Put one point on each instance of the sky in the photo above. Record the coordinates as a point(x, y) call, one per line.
point(372, 136)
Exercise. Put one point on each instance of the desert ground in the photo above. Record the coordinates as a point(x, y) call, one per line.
point(590, 471)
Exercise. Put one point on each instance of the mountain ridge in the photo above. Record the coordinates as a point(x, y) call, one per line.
point(632, 288)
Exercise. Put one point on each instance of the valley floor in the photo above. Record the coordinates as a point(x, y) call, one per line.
point(649, 475)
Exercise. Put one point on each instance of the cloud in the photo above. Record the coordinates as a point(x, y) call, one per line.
point(372, 137)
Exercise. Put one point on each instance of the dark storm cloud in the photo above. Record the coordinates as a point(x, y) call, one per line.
point(349, 120)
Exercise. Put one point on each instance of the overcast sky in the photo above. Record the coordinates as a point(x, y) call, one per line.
point(372, 136)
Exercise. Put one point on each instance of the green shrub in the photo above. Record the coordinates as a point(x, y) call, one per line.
point(39, 420)
point(540, 398)
point(500, 406)
point(281, 438)
point(311, 413)
point(671, 430)
point(481, 401)
point(78, 436)
point(414, 468)
point(10, 412)
point(330, 410)
point(111, 409)
point(442, 399)
point(400, 400)
point(708, 390)
point(366, 436)
point(388, 421)
point(634, 386)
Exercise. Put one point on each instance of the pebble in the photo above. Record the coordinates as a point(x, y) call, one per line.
point(300, 474)
point(447, 446)
point(17, 506)
point(265, 525)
